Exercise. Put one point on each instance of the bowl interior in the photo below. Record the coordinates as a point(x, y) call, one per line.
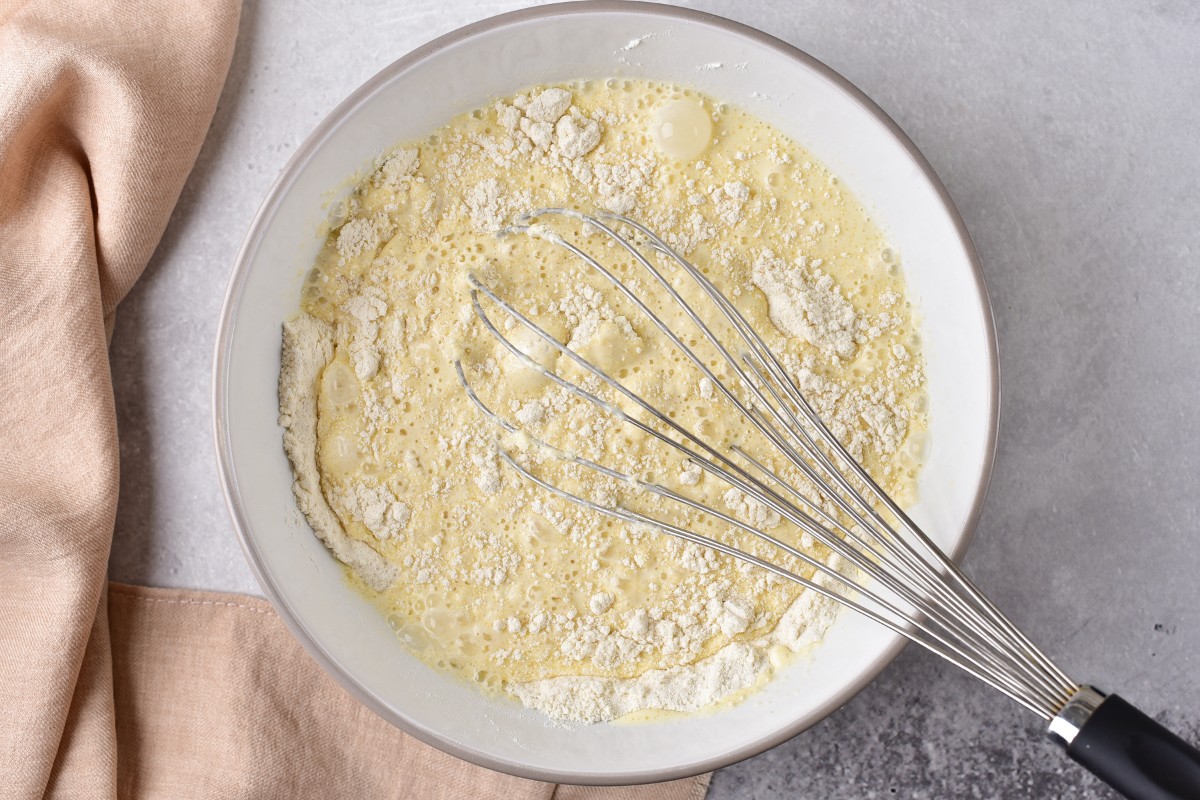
point(466, 69)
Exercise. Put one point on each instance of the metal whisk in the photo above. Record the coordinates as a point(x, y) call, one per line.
point(889, 570)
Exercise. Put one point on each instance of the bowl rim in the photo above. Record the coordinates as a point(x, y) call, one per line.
point(269, 207)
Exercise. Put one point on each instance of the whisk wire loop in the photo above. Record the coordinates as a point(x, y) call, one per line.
point(889, 571)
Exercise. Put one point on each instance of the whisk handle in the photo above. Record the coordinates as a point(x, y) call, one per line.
point(1127, 749)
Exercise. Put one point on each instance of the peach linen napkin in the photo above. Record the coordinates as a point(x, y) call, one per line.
point(117, 691)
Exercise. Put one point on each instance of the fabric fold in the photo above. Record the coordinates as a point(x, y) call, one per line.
point(184, 660)
point(103, 107)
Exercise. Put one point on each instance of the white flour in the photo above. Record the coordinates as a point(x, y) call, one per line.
point(307, 348)
point(586, 699)
point(733, 668)
point(807, 304)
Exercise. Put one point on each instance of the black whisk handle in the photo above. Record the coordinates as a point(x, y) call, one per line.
point(1127, 749)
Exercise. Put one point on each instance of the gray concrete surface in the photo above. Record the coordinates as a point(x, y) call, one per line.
point(1066, 133)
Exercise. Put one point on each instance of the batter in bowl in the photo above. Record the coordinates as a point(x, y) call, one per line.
point(488, 576)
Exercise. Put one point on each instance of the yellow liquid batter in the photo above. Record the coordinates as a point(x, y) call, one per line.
point(497, 580)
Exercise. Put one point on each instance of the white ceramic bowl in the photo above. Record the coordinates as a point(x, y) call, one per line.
point(465, 69)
